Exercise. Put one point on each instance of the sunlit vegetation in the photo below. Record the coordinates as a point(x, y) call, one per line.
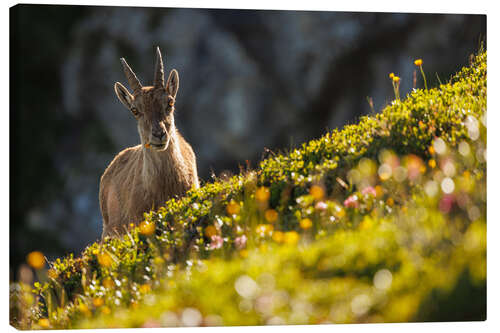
point(381, 221)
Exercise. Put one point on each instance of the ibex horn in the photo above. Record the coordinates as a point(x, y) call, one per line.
point(159, 76)
point(131, 77)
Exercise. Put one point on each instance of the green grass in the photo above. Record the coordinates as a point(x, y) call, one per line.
point(382, 221)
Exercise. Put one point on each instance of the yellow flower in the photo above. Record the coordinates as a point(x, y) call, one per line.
point(271, 215)
point(36, 259)
point(418, 62)
point(145, 288)
point(44, 322)
point(390, 202)
point(278, 236)
point(395, 79)
point(244, 253)
point(432, 163)
point(98, 301)
point(108, 283)
point(317, 192)
point(84, 309)
point(262, 194)
point(105, 260)
point(105, 310)
point(339, 212)
point(146, 228)
point(291, 237)
point(52, 273)
point(233, 208)
point(263, 229)
point(391, 75)
point(210, 231)
point(431, 150)
point(305, 223)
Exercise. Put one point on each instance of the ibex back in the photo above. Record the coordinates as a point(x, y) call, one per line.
point(163, 166)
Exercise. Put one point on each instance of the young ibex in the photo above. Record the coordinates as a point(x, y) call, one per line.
point(161, 167)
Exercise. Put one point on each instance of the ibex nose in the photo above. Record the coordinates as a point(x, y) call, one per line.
point(160, 135)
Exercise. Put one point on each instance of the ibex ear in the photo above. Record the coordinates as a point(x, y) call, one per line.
point(173, 83)
point(123, 95)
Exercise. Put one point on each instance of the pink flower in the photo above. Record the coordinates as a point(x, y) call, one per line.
point(240, 242)
point(216, 242)
point(446, 203)
point(370, 190)
point(321, 205)
point(351, 202)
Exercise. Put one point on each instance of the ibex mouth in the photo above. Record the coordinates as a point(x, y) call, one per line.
point(156, 146)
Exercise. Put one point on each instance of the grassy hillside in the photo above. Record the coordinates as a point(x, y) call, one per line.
point(382, 221)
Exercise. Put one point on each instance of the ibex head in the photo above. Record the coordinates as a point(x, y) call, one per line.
point(152, 106)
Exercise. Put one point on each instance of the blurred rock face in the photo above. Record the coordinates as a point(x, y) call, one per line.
point(249, 80)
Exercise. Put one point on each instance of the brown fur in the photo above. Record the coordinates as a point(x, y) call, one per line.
point(143, 177)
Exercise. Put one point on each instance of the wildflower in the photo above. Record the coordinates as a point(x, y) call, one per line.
point(36, 259)
point(146, 228)
point(98, 301)
point(369, 190)
point(263, 229)
point(240, 242)
point(291, 237)
point(351, 201)
point(390, 202)
point(145, 288)
point(278, 236)
point(210, 231)
point(271, 215)
point(105, 310)
point(104, 259)
point(432, 163)
point(339, 211)
point(233, 208)
point(108, 283)
point(262, 194)
point(395, 84)
point(52, 273)
point(84, 309)
point(446, 203)
point(418, 63)
point(321, 205)
point(216, 242)
point(317, 192)
point(305, 223)
point(44, 322)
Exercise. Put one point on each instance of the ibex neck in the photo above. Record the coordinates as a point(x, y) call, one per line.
point(160, 164)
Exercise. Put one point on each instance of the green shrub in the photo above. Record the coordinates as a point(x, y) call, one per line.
point(372, 223)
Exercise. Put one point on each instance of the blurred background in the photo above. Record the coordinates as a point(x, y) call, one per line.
point(250, 81)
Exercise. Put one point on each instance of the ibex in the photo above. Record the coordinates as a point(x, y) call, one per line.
point(163, 166)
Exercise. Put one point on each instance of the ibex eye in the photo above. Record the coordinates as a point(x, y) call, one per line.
point(135, 112)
